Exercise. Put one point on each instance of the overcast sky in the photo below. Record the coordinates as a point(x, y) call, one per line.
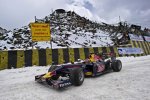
point(18, 13)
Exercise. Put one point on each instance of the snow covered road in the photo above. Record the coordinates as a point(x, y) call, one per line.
point(132, 83)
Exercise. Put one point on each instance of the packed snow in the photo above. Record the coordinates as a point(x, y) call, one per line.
point(131, 83)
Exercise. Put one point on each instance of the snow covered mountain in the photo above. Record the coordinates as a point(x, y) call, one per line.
point(68, 30)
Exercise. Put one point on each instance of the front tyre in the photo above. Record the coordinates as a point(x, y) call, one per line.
point(77, 76)
point(116, 65)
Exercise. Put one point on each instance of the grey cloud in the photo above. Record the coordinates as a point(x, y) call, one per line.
point(132, 11)
point(17, 13)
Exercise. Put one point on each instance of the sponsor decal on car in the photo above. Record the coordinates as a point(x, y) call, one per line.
point(100, 67)
point(64, 84)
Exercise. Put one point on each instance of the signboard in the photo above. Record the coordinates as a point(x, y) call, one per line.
point(40, 32)
point(136, 37)
point(147, 38)
point(130, 50)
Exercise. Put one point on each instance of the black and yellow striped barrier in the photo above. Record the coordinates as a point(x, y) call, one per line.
point(3, 60)
point(145, 46)
point(43, 57)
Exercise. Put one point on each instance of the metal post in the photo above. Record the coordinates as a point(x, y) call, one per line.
point(35, 18)
point(50, 37)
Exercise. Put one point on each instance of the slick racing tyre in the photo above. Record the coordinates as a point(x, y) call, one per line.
point(77, 76)
point(116, 65)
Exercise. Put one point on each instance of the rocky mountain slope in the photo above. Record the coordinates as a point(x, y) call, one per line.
point(68, 30)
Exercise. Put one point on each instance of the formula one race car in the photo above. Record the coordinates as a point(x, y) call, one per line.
point(64, 75)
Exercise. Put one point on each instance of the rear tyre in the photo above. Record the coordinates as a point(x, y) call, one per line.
point(77, 76)
point(116, 65)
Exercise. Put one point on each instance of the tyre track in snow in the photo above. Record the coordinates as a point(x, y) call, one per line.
point(132, 83)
